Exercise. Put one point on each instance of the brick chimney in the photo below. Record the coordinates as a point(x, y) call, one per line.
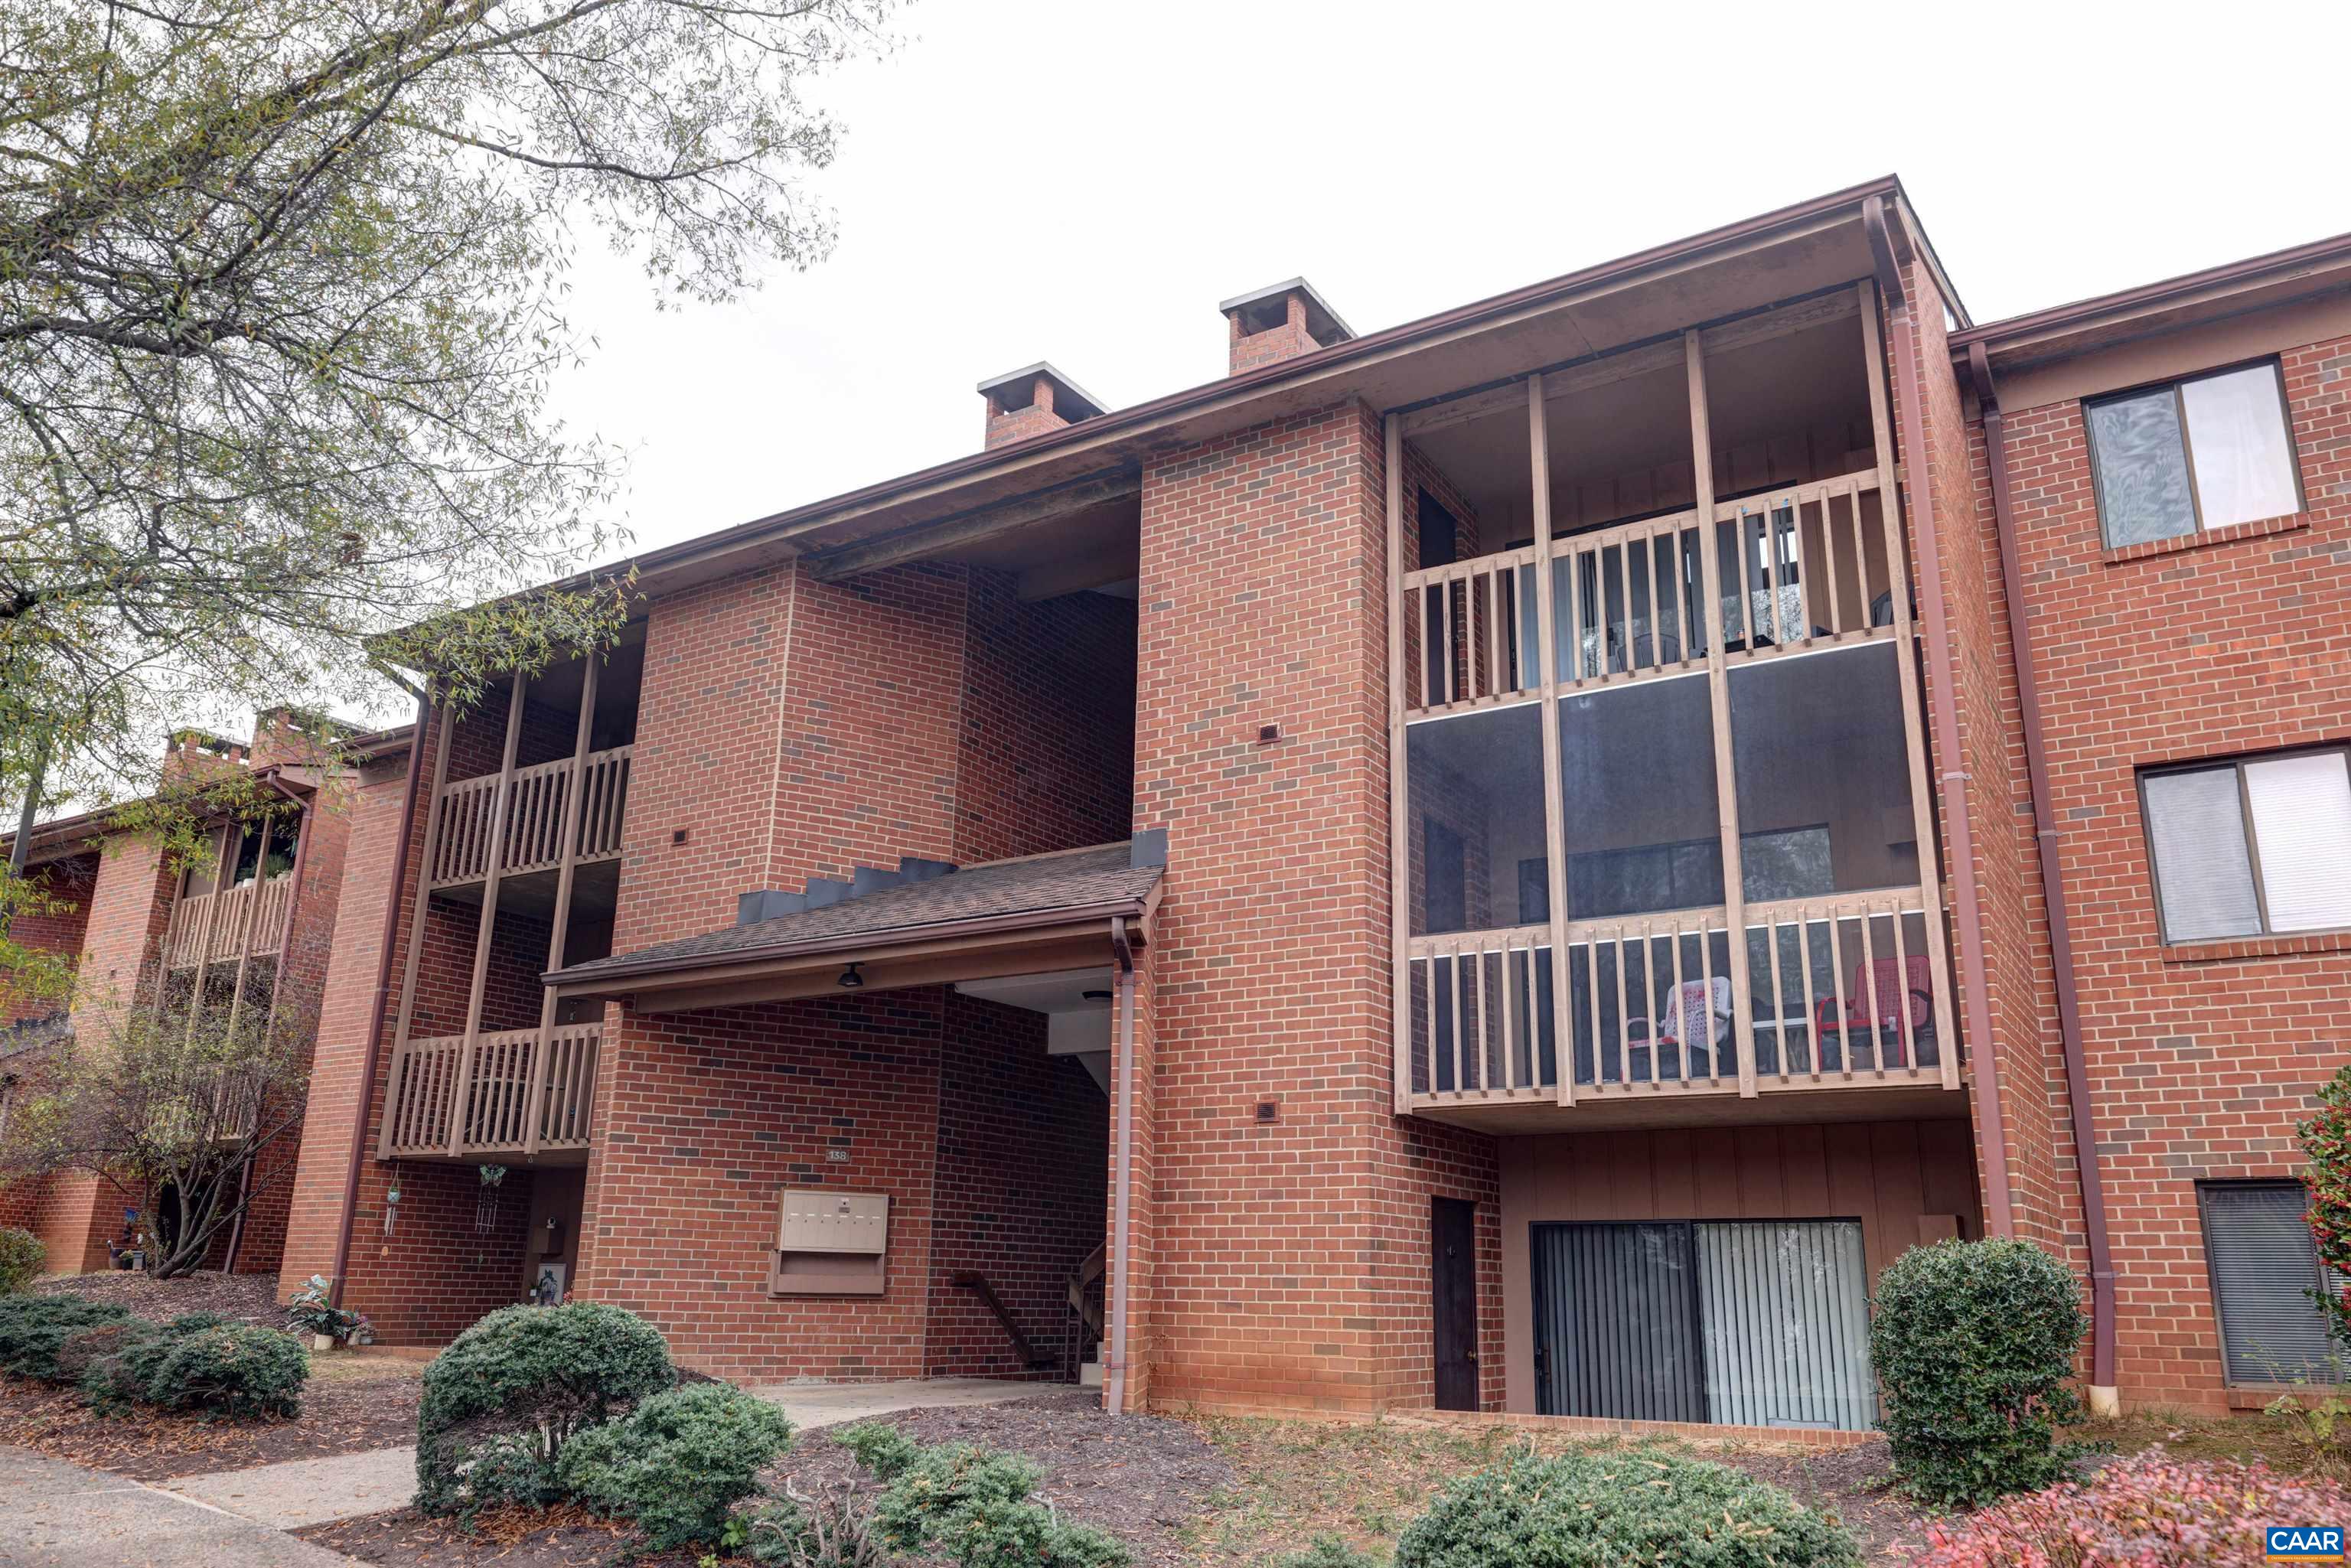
point(1281, 322)
point(1031, 401)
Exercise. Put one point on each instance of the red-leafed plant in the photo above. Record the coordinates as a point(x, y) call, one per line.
point(2326, 1139)
point(2147, 1512)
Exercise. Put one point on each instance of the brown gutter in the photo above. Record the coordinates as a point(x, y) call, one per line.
point(423, 733)
point(2102, 1399)
point(2001, 1216)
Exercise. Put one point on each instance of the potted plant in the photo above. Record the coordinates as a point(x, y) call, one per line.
point(326, 1323)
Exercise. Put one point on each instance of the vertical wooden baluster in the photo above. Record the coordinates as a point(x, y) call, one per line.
point(1872, 990)
point(1837, 979)
point(1510, 1047)
point(1496, 683)
point(1683, 1024)
point(1623, 1018)
point(1903, 1031)
point(1778, 995)
point(1453, 963)
point(1805, 916)
point(1429, 1033)
point(1829, 556)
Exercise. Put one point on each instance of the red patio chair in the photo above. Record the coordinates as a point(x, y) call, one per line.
point(1874, 1004)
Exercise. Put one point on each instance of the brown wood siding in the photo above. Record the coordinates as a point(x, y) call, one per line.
point(1889, 1174)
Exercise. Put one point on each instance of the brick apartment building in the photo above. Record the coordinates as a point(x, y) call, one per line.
point(242, 935)
point(1508, 863)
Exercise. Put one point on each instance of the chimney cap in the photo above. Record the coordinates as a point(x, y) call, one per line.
point(1071, 401)
point(1323, 323)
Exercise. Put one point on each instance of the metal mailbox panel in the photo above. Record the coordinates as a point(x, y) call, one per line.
point(819, 1220)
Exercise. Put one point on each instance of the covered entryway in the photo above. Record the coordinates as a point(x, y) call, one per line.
point(1737, 1322)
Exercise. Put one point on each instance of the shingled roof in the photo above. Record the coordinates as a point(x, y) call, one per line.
point(1049, 887)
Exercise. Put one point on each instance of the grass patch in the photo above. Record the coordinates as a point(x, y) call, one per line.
point(2245, 1438)
point(1362, 1482)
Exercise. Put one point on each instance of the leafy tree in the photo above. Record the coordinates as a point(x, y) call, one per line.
point(194, 1104)
point(2326, 1139)
point(282, 285)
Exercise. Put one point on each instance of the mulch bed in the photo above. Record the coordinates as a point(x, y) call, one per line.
point(1143, 1478)
point(240, 1298)
point(350, 1405)
point(1850, 1483)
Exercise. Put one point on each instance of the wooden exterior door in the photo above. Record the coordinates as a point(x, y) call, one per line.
point(1453, 1233)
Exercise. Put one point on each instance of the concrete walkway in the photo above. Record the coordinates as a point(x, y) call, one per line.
point(314, 1491)
point(54, 1515)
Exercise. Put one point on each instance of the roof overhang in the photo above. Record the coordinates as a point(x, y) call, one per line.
point(982, 948)
point(2173, 305)
point(1788, 253)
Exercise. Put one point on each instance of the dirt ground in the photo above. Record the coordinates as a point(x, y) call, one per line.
point(241, 1298)
point(351, 1403)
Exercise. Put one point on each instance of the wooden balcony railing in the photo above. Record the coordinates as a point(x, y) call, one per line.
point(1836, 993)
point(233, 923)
point(1801, 568)
point(464, 830)
point(513, 1096)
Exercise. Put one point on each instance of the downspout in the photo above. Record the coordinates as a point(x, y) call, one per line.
point(1121, 1182)
point(2105, 1400)
point(419, 742)
point(2000, 1216)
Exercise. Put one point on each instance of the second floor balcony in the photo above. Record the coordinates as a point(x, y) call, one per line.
point(519, 1094)
point(241, 922)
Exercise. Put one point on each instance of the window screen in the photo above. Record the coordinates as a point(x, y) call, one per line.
point(2203, 452)
point(2259, 845)
point(2265, 1267)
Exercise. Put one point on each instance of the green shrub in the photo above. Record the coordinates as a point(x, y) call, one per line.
point(1328, 1551)
point(947, 1479)
point(884, 1450)
point(22, 1257)
point(33, 1329)
point(516, 1385)
point(1973, 1342)
point(996, 1533)
point(112, 1362)
point(678, 1462)
point(227, 1369)
point(1626, 1506)
point(831, 1527)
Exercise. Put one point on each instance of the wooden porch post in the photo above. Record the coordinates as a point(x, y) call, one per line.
point(491, 871)
point(204, 946)
point(543, 1051)
point(439, 735)
point(1906, 653)
point(293, 905)
point(1554, 802)
point(244, 941)
point(1718, 685)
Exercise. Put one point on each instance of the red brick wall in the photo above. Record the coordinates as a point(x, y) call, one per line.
point(2018, 992)
point(2200, 1062)
point(70, 881)
point(1291, 1258)
point(1046, 752)
point(1018, 1196)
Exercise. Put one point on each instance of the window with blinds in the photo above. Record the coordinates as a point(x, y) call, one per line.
point(2198, 454)
point(2259, 845)
point(2264, 1266)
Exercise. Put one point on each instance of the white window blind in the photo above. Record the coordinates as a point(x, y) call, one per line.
point(2302, 821)
point(2244, 464)
point(2203, 875)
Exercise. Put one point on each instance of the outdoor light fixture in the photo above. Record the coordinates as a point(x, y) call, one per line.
point(851, 979)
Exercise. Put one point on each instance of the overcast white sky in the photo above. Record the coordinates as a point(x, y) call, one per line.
point(1079, 182)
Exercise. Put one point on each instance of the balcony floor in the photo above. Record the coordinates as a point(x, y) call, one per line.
point(1620, 1107)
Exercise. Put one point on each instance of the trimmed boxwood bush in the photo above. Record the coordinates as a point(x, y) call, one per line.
point(515, 1388)
point(995, 1533)
point(1973, 1343)
point(33, 1329)
point(2143, 1510)
point(1595, 1511)
point(227, 1369)
point(677, 1462)
point(21, 1257)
